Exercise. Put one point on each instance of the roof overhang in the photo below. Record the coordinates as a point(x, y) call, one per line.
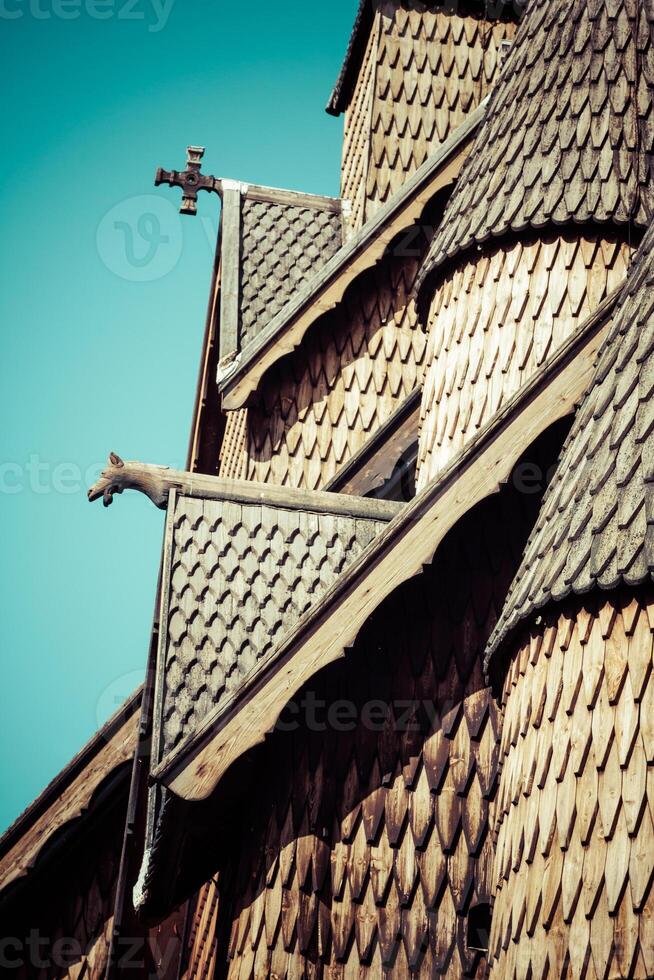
point(240, 379)
point(70, 795)
point(342, 93)
point(372, 465)
point(398, 553)
point(242, 563)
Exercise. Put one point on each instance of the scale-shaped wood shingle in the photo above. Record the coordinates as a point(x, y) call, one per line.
point(241, 570)
point(569, 130)
point(283, 245)
point(595, 526)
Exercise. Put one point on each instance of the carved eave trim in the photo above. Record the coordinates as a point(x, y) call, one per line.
point(398, 553)
point(238, 380)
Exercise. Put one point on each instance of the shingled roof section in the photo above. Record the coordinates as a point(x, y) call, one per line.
point(242, 569)
point(243, 563)
point(595, 527)
point(282, 246)
point(347, 77)
point(568, 132)
point(272, 243)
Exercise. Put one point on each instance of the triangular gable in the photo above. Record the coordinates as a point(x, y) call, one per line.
point(239, 376)
point(272, 242)
point(241, 567)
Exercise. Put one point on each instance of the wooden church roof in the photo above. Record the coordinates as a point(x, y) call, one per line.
point(569, 130)
point(283, 243)
point(276, 336)
point(243, 562)
point(595, 526)
point(398, 551)
point(272, 243)
point(363, 22)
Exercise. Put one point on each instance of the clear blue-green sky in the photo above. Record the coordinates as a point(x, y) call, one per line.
point(103, 304)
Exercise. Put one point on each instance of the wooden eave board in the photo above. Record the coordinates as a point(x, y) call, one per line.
point(345, 82)
point(373, 464)
point(397, 554)
point(283, 334)
point(110, 748)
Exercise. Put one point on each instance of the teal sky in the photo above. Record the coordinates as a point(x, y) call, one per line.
point(102, 310)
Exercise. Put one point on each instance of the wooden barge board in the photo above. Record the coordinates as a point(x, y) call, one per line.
point(69, 794)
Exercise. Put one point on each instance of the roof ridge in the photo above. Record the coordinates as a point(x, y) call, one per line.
point(65, 775)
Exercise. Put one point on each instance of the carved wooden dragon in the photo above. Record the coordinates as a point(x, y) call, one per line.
point(154, 481)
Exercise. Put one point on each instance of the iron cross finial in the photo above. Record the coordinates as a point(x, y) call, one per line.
point(190, 180)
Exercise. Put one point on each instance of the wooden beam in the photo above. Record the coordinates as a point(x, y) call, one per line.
point(373, 464)
point(230, 267)
point(158, 482)
point(398, 553)
point(297, 199)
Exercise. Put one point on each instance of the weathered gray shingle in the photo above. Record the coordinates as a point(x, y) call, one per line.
point(595, 528)
point(282, 247)
point(240, 575)
point(569, 130)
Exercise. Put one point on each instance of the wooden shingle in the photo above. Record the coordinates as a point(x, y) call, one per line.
point(569, 129)
point(594, 530)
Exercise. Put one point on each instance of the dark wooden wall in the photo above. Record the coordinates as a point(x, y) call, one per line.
point(361, 852)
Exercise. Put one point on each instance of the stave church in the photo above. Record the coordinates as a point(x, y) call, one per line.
point(398, 710)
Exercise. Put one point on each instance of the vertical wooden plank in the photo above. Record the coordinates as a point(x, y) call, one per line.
point(230, 269)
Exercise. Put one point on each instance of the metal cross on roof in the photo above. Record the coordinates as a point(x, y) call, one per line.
point(190, 180)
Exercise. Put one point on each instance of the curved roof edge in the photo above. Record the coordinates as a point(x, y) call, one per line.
point(567, 138)
point(594, 532)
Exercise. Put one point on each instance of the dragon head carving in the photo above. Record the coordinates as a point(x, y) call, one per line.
point(120, 475)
